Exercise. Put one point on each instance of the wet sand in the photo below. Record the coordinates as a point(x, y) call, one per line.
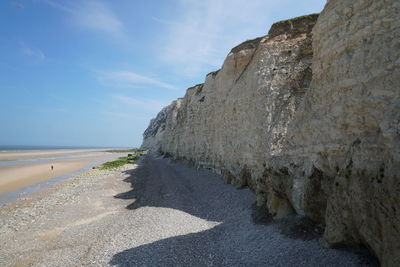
point(18, 176)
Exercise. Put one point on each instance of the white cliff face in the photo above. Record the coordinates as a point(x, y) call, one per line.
point(155, 131)
point(237, 116)
point(237, 120)
point(353, 129)
point(312, 126)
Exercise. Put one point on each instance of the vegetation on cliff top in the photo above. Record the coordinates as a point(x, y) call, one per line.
point(309, 16)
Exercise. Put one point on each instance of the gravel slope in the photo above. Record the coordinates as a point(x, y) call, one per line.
point(156, 213)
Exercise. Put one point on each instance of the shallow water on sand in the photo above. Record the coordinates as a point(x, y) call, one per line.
point(17, 169)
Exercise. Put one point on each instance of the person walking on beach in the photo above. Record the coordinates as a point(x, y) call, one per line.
point(51, 167)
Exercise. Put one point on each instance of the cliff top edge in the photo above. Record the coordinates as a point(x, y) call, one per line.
point(294, 26)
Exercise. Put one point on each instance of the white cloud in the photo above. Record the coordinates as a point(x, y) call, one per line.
point(128, 79)
point(202, 36)
point(91, 15)
point(33, 53)
point(97, 16)
point(141, 103)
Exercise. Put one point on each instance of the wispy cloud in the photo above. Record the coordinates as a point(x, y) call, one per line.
point(119, 114)
point(200, 37)
point(128, 79)
point(17, 4)
point(34, 54)
point(91, 15)
point(41, 109)
point(142, 103)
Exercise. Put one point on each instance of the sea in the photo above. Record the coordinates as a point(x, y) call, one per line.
point(23, 159)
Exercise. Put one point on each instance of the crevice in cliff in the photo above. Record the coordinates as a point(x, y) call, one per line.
point(249, 62)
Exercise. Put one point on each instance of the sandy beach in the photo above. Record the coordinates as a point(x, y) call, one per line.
point(17, 176)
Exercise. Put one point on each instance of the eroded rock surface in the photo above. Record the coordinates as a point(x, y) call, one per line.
point(353, 129)
point(311, 126)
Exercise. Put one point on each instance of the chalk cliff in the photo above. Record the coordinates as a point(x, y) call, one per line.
point(308, 117)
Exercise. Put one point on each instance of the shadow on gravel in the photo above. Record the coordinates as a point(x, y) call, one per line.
point(156, 183)
point(188, 250)
point(295, 227)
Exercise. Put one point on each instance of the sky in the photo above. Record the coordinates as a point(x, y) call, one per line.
point(94, 72)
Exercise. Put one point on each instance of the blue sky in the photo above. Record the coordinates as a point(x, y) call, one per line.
point(93, 73)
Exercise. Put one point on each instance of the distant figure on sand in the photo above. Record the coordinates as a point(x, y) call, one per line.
point(51, 167)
